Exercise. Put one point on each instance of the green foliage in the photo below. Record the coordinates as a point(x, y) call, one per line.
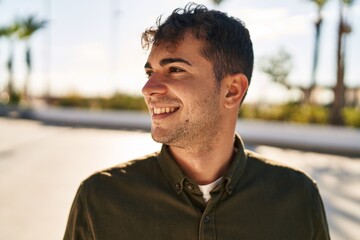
point(117, 101)
point(320, 3)
point(299, 113)
point(351, 116)
point(29, 25)
point(9, 31)
point(291, 112)
point(348, 2)
point(310, 114)
point(73, 100)
point(122, 101)
point(14, 97)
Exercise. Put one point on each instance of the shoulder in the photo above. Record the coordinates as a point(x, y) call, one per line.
point(277, 172)
point(290, 192)
point(276, 180)
point(136, 170)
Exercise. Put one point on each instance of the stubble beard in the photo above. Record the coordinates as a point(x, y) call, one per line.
point(198, 132)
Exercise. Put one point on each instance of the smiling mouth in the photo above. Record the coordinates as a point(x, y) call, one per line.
point(164, 110)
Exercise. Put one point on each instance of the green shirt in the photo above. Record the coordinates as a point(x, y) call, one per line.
point(151, 198)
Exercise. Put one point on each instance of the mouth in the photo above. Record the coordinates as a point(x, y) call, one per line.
point(163, 111)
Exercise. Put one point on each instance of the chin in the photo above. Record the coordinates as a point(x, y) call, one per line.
point(167, 136)
point(163, 138)
point(157, 137)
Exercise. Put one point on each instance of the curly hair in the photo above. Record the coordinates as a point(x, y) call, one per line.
point(227, 43)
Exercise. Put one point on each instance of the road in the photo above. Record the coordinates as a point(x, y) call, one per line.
point(42, 165)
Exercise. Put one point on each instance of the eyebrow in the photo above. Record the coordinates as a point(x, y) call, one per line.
point(166, 61)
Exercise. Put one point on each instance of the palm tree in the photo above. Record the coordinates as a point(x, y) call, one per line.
point(2, 32)
point(28, 26)
point(9, 32)
point(339, 90)
point(318, 23)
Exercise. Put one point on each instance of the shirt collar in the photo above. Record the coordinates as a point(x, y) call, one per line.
point(237, 166)
point(177, 177)
point(171, 169)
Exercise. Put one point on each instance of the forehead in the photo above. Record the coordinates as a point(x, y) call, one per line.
point(188, 47)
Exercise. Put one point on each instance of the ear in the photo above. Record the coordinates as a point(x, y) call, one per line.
point(236, 87)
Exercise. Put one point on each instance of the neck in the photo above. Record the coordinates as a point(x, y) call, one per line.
point(206, 164)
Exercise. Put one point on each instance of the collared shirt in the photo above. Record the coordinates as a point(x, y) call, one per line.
point(152, 198)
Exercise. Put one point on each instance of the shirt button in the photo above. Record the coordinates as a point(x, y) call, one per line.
point(207, 219)
point(178, 186)
point(190, 186)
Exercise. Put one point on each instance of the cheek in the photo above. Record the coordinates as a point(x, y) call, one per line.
point(194, 92)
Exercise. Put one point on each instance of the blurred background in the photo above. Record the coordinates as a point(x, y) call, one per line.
point(306, 54)
point(76, 68)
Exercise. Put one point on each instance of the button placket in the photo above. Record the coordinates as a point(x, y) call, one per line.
point(206, 219)
point(207, 225)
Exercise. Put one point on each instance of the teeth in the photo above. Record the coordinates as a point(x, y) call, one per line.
point(163, 110)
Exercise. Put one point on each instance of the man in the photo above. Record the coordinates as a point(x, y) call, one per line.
point(202, 184)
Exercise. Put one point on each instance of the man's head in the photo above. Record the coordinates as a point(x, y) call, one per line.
point(227, 43)
point(198, 71)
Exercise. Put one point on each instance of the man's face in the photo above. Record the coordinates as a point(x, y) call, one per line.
point(182, 95)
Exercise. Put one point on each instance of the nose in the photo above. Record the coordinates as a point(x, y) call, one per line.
point(154, 85)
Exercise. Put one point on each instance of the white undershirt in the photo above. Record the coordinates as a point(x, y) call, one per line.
point(206, 189)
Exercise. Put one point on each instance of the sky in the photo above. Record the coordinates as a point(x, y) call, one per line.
point(93, 47)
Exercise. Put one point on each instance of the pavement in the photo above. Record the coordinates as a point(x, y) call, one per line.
point(43, 161)
point(42, 165)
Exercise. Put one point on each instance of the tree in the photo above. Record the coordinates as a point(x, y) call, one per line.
point(343, 29)
point(2, 32)
point(318, 23)
point(339, 89)
point(27, 27)
point(278, 67)
point(9, 32)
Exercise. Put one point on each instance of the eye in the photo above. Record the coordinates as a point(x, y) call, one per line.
point(175, 70)
point(148, 73)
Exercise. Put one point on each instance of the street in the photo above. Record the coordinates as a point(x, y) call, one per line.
point(41, 167)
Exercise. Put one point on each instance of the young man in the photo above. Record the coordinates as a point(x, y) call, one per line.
point(202, 184)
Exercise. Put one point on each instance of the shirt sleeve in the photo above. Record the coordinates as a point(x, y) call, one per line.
point(78, 225)
point(321, 225)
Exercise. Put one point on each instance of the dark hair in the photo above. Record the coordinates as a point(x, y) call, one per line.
point(227, 41)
